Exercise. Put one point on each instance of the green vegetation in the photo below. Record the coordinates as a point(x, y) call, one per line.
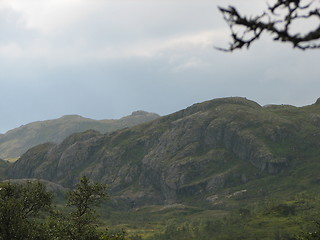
point(273, 219)
point(17, 141)
point(20, 207)
point(26, 212)
point(4, 164)
point(223, 169)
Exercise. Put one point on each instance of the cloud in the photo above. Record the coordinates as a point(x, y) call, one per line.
point(48, 16)
point(11, 50)
point(174, 48)
point(107, 58)
point(74, 31)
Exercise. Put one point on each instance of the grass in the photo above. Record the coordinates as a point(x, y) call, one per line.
point(152, 220)
point(270, 221)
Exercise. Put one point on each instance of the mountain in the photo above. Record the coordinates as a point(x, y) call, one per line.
point(214, 150)
point(15, 142)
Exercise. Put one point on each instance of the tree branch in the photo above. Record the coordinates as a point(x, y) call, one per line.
point(277, 24)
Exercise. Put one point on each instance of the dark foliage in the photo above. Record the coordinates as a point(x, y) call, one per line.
point(21, 206)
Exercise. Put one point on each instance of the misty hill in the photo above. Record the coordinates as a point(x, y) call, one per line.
point(15, 142)
point(210, 151)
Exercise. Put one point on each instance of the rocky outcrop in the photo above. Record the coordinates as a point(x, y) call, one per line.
point(194, 152)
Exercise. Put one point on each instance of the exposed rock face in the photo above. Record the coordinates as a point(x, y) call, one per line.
point(17, 141)
point(196, 151)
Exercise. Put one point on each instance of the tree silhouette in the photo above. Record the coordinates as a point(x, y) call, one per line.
point(278, 20)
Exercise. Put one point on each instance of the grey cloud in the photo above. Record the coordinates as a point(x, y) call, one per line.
point(67, 79)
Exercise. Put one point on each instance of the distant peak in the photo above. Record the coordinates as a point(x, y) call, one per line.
point(318, 101)
point(139, 112)
point(72, 116)
point(221, 101)
point(236, 100)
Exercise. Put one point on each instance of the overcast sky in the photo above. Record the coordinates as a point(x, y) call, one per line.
point(104, 59)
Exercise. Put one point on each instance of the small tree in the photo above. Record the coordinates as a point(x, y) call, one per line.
point(84, 198)
point(79, 224)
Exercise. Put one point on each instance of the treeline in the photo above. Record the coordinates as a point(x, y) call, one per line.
point(26, 212)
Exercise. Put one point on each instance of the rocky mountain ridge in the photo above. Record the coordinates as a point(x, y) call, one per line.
point(198, 151)
point(17, 141)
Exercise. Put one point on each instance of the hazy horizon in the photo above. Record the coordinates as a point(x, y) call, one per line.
point(106, 59)
point(117, 117)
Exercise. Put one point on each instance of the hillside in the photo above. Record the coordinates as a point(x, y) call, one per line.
point(15, 142)
point(3, 166)
point(212, 152)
